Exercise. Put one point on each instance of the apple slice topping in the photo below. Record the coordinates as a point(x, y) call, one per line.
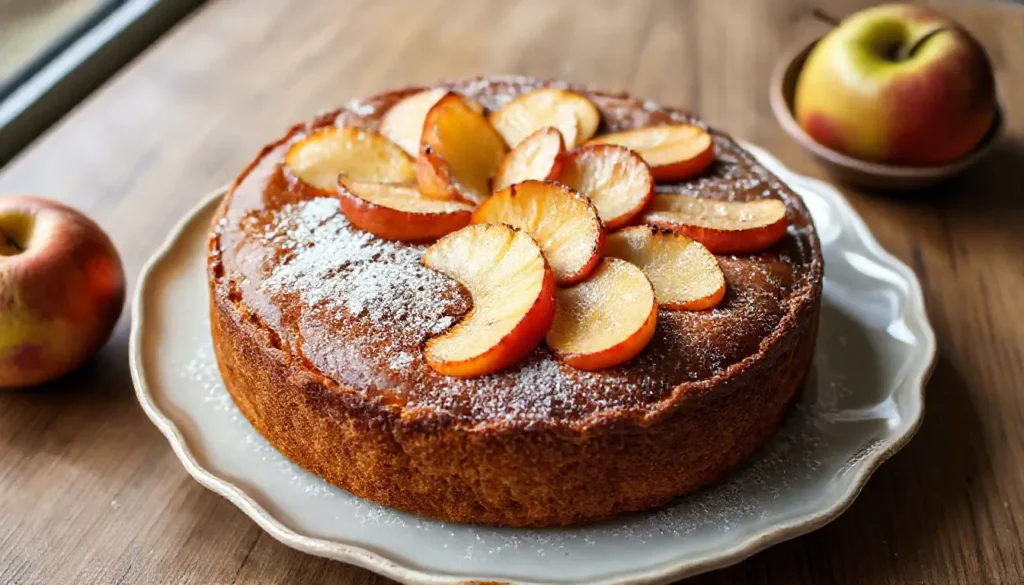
point(684, 273)
point(606, 320)
point(395, 211)
point(513, 293)
point(616, 180)
point(320, 157)
point(459, 152)
point(575, 116)
point(537, 157)
point(724, 227)
point(403, 122)
point(563, 222)
point(674, 152)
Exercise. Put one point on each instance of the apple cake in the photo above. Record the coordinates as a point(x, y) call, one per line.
point(512, 302)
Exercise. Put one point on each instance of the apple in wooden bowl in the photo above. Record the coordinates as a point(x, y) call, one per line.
point(895, 96)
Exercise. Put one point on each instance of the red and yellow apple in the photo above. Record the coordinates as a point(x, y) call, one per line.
point(899, 84)
point(61, 290)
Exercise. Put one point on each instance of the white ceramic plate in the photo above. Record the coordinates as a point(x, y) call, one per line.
point(863, 401)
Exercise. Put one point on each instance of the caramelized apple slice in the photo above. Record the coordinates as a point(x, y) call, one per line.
point(684, 273)
point(319, 158)
point(674, 153)
point(403, 122)
point(537, 157)
point(606, 320)
point(513, 294)
point(563, 222)
point(459, 152)
point(616, 180)
point(724, 227)
point(575, 116)
point(399, 212)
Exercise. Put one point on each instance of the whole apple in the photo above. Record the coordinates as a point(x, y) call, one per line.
point(899, 84)
point(61, 290)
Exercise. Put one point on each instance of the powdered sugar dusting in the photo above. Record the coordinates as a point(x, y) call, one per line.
point(540, 390)
point(315, 244)
point(332, 280)
point(339, 268)
point(202, 371)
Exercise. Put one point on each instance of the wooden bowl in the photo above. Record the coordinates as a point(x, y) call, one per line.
point(852, 170)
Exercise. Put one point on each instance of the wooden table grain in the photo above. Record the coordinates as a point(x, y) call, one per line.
point(90, 492)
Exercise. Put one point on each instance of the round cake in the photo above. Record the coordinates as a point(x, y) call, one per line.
point(319, 329)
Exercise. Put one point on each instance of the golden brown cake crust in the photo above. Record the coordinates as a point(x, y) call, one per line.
point(317, 329)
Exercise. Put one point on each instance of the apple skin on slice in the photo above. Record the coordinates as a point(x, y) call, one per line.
point(724, 227)
point(617, 181)
point(403, 122)
point(459, 152)
point(320, 157)
point(684, 273)
point(674, 152)
point(538, 157)
point(399, 211)
point(605, 320)
point(575, 116)
point(563, 222)
point(513, 294)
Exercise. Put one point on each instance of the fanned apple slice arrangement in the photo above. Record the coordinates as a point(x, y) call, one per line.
point(556, 232)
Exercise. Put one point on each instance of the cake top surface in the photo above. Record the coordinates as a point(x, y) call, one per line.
point(355, 310)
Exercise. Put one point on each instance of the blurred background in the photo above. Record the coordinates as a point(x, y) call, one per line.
point(54, 53)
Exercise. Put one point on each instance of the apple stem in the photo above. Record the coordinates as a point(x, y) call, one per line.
point(825, 17)
point(911, 49)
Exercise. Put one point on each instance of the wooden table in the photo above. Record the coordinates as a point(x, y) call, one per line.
point(90, 491)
